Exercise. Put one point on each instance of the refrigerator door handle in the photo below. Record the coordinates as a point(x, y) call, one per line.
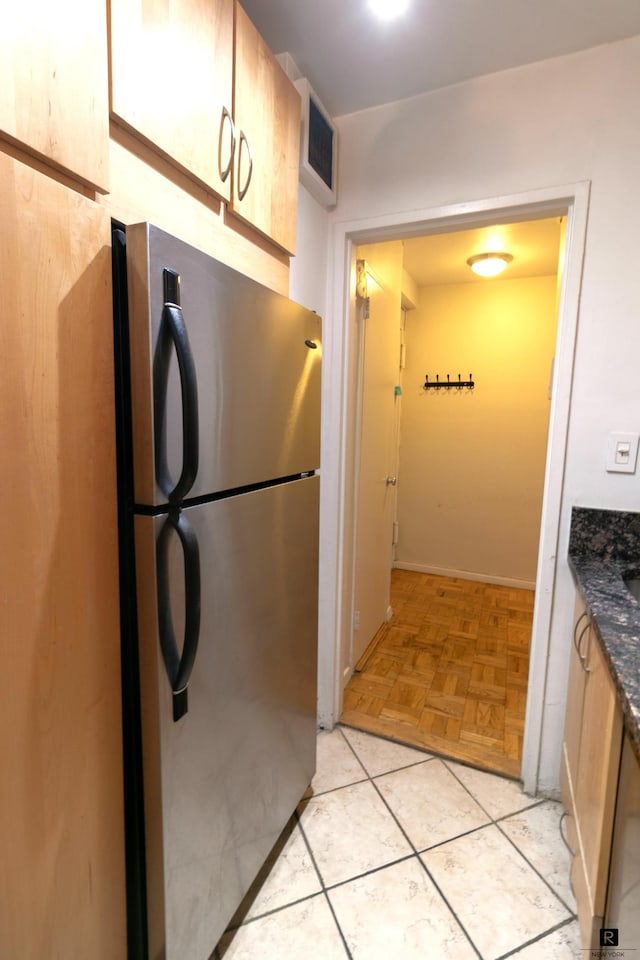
point(173, 333)
point(178, 666)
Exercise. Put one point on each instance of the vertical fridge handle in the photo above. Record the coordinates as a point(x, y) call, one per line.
point(178, 666)
point(173, 333)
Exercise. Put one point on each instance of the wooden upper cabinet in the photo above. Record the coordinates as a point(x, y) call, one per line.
point(172, 81)
point(266, 113)
point(54, 84)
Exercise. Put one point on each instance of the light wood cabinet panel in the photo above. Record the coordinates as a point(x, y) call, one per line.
point(575, 705)
point(141, 192)
point(266, 113)
point(623, 895)
point(54, 84)
point(62, 886)
point(590, 764)
point(600, 746)
point(172, 78)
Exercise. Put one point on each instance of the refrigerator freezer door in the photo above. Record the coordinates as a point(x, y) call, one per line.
point(223, 779)
point(256, 357)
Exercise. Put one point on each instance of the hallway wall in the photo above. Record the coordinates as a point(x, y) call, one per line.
point(472, 462)
point(560, 121)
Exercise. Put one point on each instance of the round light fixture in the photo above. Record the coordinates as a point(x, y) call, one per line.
point(489, 264)
point(388, 9)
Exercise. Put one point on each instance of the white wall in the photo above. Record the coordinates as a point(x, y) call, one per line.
point(562, 121)
point(308, 273)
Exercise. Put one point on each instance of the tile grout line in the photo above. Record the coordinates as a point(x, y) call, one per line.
point(325, 889)
point(533, 867)
point(541, 936)
point(493, 821)
point(534, 801)
point(496, 821)
point(414, 855)
point(449, 906)
point(416, 763)
point(421, 863)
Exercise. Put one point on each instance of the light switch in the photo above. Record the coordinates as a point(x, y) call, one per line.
point(622, 452)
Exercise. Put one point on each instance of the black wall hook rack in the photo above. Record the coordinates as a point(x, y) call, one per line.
point(448, 384)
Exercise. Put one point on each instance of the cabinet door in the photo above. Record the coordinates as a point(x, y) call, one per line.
point(267, 117)
point(598, 765)
point(61, 818)
point(54, 83)
point(172, 81)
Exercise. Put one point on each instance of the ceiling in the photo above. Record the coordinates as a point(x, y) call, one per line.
point(442, 258)
point(354, 61)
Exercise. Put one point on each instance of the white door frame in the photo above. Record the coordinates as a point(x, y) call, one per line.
point(339, 404)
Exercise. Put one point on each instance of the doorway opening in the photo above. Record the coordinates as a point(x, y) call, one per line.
point(335, 664)
point(449, 483)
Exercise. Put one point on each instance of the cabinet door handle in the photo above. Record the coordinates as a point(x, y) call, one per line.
point(583, 660)
point(563, 835)
point(226, 116)
point(575, 630)
point(243, 190)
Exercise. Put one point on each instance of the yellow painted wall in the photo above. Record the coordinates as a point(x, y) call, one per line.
point(472, 464)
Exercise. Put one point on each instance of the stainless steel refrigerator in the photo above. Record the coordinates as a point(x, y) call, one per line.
point(218, 406)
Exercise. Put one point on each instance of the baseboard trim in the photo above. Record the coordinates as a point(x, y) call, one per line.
point(467, 575)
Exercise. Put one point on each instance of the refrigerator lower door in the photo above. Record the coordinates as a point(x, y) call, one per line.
point(221, 781)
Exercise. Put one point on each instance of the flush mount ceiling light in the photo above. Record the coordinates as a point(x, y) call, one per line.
point(388, 9)
point(489, 264)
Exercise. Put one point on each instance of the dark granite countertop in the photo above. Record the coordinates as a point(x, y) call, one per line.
point(604, 548)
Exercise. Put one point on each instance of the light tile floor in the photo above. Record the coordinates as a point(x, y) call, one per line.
point(399, 855)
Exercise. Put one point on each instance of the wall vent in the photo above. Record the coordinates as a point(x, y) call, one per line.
point(318, 147)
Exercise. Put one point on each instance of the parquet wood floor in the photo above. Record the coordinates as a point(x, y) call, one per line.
point(448, 673)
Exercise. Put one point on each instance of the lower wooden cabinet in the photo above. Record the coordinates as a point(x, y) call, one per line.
point(62, 885)
point(589, 776)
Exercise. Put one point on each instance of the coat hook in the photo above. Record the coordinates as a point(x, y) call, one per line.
point(449, 384)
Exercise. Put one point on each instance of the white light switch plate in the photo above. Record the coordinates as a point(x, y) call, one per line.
point(622, 452)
